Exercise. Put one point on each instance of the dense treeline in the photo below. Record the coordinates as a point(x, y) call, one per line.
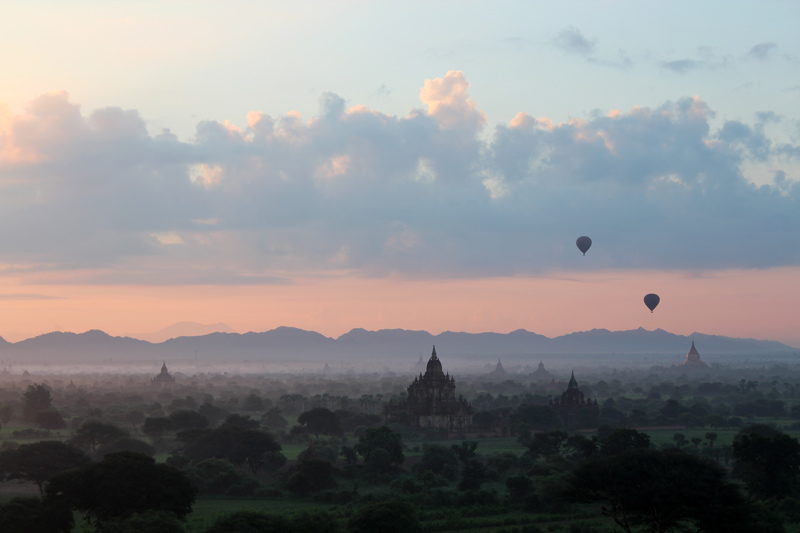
point(120, 452)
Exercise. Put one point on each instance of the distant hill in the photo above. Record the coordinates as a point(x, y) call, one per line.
point(184, 329)
point(383, 347)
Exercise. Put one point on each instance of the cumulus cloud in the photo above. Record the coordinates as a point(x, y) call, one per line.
point(96, 198)
point(448, 102)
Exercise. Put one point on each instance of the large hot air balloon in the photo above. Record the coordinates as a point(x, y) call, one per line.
point(584, 243)
point(651, 301)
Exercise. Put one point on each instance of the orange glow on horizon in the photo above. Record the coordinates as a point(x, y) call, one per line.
point(761, 304)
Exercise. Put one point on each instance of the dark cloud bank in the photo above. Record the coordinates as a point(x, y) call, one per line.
point(426, 195)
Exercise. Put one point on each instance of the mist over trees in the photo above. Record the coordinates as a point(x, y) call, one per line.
point(717, 446)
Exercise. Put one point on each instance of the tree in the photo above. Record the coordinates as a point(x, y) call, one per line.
point(253, 402)
point(120, 485)
point(6, 412)
point(465, 450)
point(157, 426)
point(311, 475)
point(768, 461)
point(524, 434)
point(382, 437)
point(188, 419)
point(94, 433)
point(660, 491)
point(134, 418)
point(393, 516)
point(623, 440)
point(213, 413)
point(349, 454)
point(473, 474)
point(38, 461)
point(538, 417)
point(584, 447)
point(36, 398)
point(238, 421)
point(257, 450)
point(214, 476)
point(49, 420)
point(519, 486)
point(503, 462)
point(29, 515)
point(673, 408)
point(546, 444)
point(438, 459)
point(127, 444)
point(319, 421)
point(250, 447)
point(273, 419)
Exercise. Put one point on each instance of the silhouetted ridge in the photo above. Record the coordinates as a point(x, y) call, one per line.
point(296, 345)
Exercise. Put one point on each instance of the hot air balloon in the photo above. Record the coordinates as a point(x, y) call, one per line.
point(584, 243)
point(651, 301)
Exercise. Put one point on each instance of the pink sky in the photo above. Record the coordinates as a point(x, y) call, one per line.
point(738, 303)
point(429, 213)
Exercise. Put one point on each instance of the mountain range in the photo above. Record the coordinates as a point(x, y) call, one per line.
point(285, 344)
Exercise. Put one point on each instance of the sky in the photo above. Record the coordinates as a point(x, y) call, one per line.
point(417, 165)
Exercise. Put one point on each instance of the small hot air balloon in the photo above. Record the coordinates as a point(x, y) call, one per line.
point(651, 301)
point(584, 243)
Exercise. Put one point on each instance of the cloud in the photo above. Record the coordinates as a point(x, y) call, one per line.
point(24, 296)
point(448, 102)
point(709, 59)
point(768, 116)
point(762, 51)
point(353, 191)
point(572, 41)
point(682, 66)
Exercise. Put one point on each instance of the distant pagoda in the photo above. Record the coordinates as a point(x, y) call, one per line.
point(499, 372)
point(164, 378)
point(693, 358)
point(570, 402)
point(541, 375)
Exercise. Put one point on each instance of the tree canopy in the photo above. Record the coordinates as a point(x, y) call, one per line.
point(319, 421)
point(394, 516)
point(660, 491)
point(94, 433)
point(38, 461)
point(120, 485)
point(381, 438)
point(251, 447)
point(768, 461)
point(35, 399)
point(29, 515)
